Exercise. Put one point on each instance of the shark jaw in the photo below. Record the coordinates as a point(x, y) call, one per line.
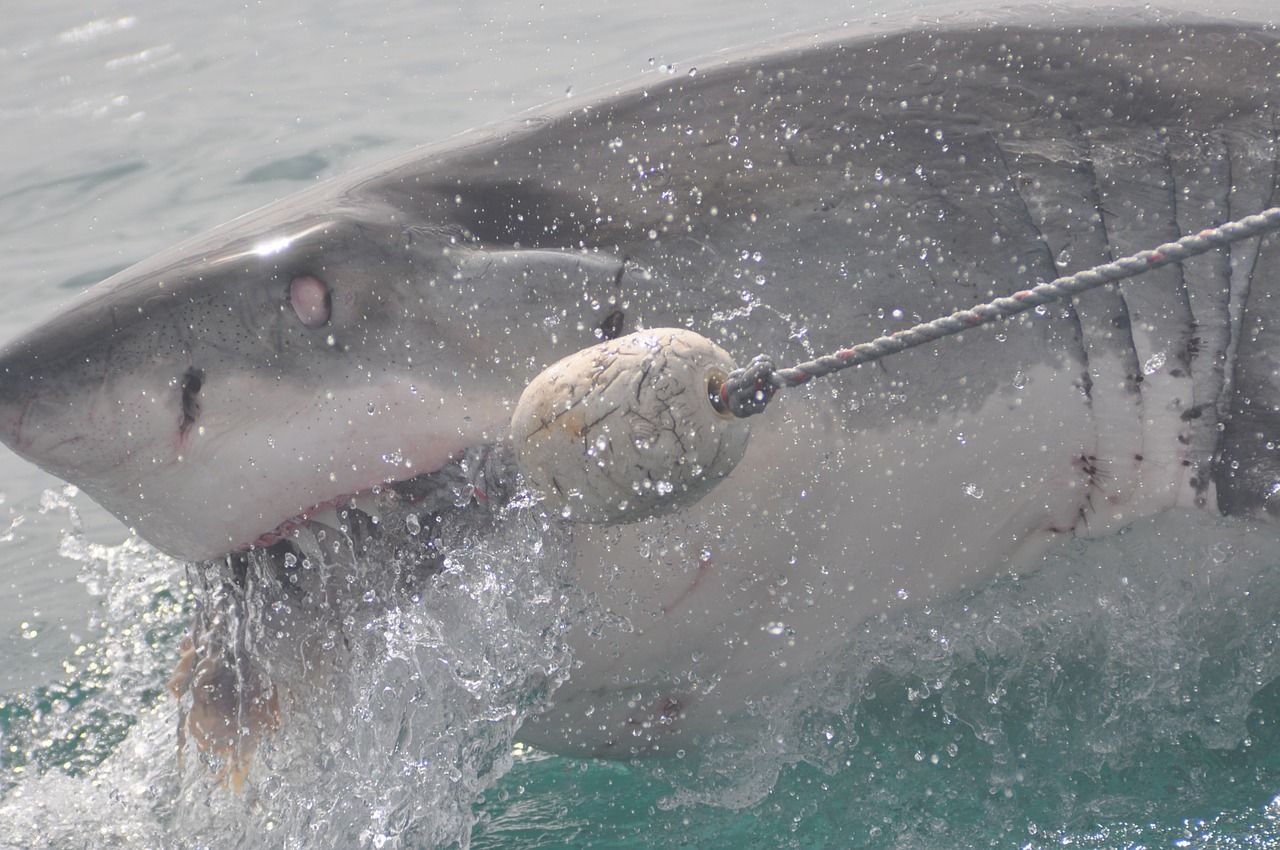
point(480, 475)
point(260, 459)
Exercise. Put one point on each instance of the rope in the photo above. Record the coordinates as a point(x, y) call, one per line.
point(748, 390)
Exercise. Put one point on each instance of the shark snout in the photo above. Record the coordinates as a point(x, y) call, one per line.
point(33, 426)
point(13, 410)
point(51, 400)
point(17, 399)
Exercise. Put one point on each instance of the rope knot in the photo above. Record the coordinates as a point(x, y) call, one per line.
point(747, 390)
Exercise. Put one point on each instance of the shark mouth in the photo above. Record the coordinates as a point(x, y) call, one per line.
point(479, 476)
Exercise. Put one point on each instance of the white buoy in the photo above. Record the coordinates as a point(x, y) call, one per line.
point(626, 429)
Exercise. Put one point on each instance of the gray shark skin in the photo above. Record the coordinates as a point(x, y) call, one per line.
point(375, 327)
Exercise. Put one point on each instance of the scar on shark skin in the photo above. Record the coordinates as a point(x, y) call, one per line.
point(704, 565)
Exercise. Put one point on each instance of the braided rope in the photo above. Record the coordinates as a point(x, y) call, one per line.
point(748, 390)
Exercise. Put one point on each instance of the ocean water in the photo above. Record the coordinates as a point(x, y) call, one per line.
point(1126, 694)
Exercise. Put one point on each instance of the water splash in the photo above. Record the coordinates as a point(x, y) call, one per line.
point(398, 703)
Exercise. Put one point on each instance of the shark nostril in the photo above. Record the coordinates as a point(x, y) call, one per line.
point(192, 382)
point(311, 302)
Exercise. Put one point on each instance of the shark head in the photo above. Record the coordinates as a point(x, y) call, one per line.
point(314, 350)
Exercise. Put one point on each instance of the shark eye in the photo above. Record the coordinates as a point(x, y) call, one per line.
point(310, 300)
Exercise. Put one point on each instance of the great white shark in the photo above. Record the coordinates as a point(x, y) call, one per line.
point(370, 331)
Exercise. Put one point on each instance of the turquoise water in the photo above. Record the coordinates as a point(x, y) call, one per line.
point(1123, 695)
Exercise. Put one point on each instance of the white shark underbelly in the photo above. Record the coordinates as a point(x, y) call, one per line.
point(825, 530)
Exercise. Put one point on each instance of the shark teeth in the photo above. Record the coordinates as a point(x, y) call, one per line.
point(477, 475)
point(341, 516)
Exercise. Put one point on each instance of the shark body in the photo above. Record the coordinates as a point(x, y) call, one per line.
point(368, 332)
